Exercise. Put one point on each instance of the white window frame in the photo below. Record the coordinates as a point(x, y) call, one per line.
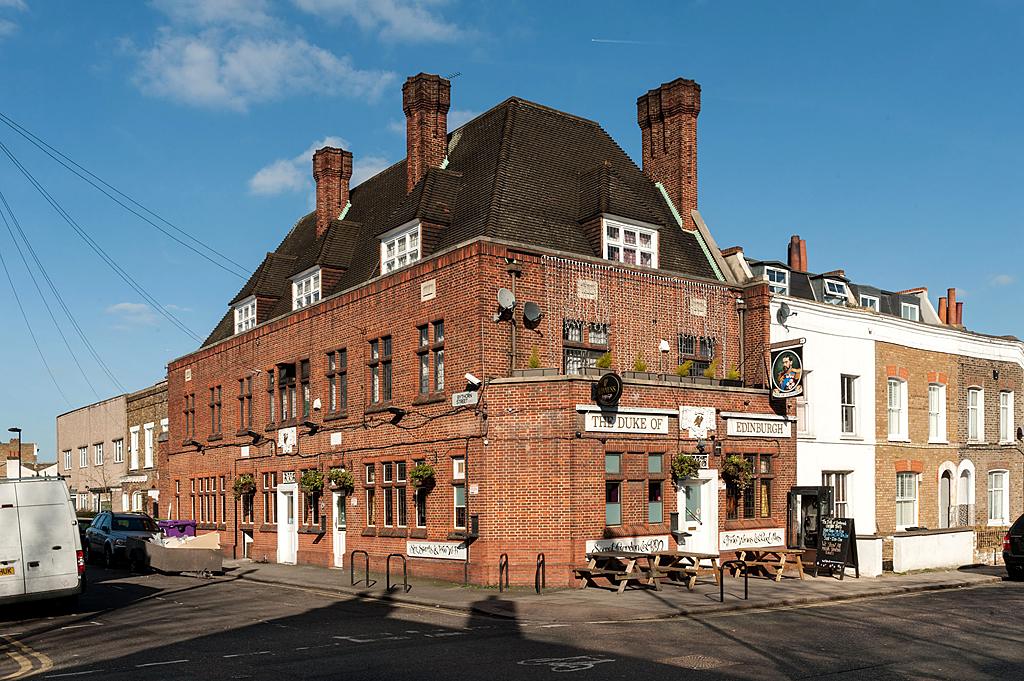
point(401, 247)
point(778, 287)
point(164, 425)
point(245, 314)
point(916, 488)
point(458, 468)
point(119, 450)
point(907, 308)
point(148, 444)
point(897, 412)
point(851, 404)
point(804, 427)
point(97, 454)
point(306, 288)
point(829, 479)
point(456, 507)
point(67, 459)
point(1003, 494)
point(870, 302)
point(936, 413)
point(618, 242)
point(834, 291)
point(976, 415)
point(133, 448)
point(83, 457)
point(1006, 429)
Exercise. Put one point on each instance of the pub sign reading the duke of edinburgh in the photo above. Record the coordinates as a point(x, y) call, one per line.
point(787, 372)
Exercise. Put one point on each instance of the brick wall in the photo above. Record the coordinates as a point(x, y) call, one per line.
point(147, 406)
point(539, 487)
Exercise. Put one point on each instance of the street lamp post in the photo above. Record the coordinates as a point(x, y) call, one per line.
point(18, 431)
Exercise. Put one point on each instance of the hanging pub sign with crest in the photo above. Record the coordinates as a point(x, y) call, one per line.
point(787, 372)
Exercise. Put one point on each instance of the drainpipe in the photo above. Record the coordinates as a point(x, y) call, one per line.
point(741, 311)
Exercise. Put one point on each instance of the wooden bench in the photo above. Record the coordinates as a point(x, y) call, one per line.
point(774, 562)
point(683, 564)
point(619, 568)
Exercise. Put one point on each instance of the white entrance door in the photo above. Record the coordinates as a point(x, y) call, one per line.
point(698, 512)
point(287, 523)
point(339, 529)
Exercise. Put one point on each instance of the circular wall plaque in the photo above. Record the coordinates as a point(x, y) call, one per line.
point(608, 390)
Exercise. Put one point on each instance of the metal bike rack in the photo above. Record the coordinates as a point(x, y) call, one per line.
point(405, 572)
point(352, 567)
point(742, 565)
point(503, 570)
point(540, 579)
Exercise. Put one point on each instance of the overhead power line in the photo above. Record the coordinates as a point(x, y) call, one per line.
point(96, 182)
point(56, 294)
point(80, 231)
point(32, 333)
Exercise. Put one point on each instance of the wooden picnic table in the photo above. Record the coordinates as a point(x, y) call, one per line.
point(618, 567)
point(773, 561)
point(683, 565)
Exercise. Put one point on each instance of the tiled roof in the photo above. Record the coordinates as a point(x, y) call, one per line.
point(520, 172)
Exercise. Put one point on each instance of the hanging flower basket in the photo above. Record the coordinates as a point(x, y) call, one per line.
point(737, 470)
point(244, 485)
point(422, 475)
point(684, 466)
point(341, 480)
point(312, 481)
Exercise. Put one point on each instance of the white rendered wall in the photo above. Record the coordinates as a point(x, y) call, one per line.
point(836, 343)
point(932, 550)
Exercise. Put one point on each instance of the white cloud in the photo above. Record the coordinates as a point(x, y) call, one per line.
point(366, 167)
point(394, 20)
point(133, 314)
point(246, 13)
point(293, 175)
point(1002, 279)
point(7, 28)
point(458, 117)
point(211, 70)
point(14, 4)
point(290, 174)
point(176, 308)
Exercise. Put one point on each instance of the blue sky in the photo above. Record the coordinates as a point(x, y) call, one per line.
point(886, 134)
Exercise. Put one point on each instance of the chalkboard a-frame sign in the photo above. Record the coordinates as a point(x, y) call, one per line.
point(837, 547)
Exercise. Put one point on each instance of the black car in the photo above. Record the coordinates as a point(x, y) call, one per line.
point(107, 538)
point(1013, 550)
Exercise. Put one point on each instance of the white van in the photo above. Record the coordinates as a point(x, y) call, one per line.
point(40, 549)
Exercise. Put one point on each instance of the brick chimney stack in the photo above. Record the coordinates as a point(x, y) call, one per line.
point(797, 254)
point(943, 311)
point(668, 122)
point(332, 170)
point(426, 99)
point(952, 308)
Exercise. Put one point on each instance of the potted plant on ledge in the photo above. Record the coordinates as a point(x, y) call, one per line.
point(737, 470)
point(535, 369)
point(244, 485)
point(732, 378)
point(312, 481)
point(640, 370)
point(602, 366)
point(684, 466)
point(682, 373)
point(422, 476)
point(341, 480)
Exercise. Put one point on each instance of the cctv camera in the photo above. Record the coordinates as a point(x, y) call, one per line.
point(473, 381)
point(316, 404)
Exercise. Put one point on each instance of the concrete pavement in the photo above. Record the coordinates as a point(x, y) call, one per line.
point(598, 604)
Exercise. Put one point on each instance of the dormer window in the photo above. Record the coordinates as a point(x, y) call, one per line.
point(630, 244)
point(910, 311)
point(306, 288)
point(245, 314)
point(870, 302)
point(778, 280)
point(399, 248)
point(835, 292)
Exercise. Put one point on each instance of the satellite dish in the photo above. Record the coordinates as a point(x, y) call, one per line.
point(784, 313)
point(506, 300)
point(531, 313)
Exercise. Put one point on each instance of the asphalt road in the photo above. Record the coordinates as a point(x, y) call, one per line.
point(160, 627)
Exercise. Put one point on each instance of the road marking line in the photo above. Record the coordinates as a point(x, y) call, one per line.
point(155, 664)
point(26, 655)
point(57, 676)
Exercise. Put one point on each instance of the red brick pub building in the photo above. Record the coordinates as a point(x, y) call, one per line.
point(373, 339)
